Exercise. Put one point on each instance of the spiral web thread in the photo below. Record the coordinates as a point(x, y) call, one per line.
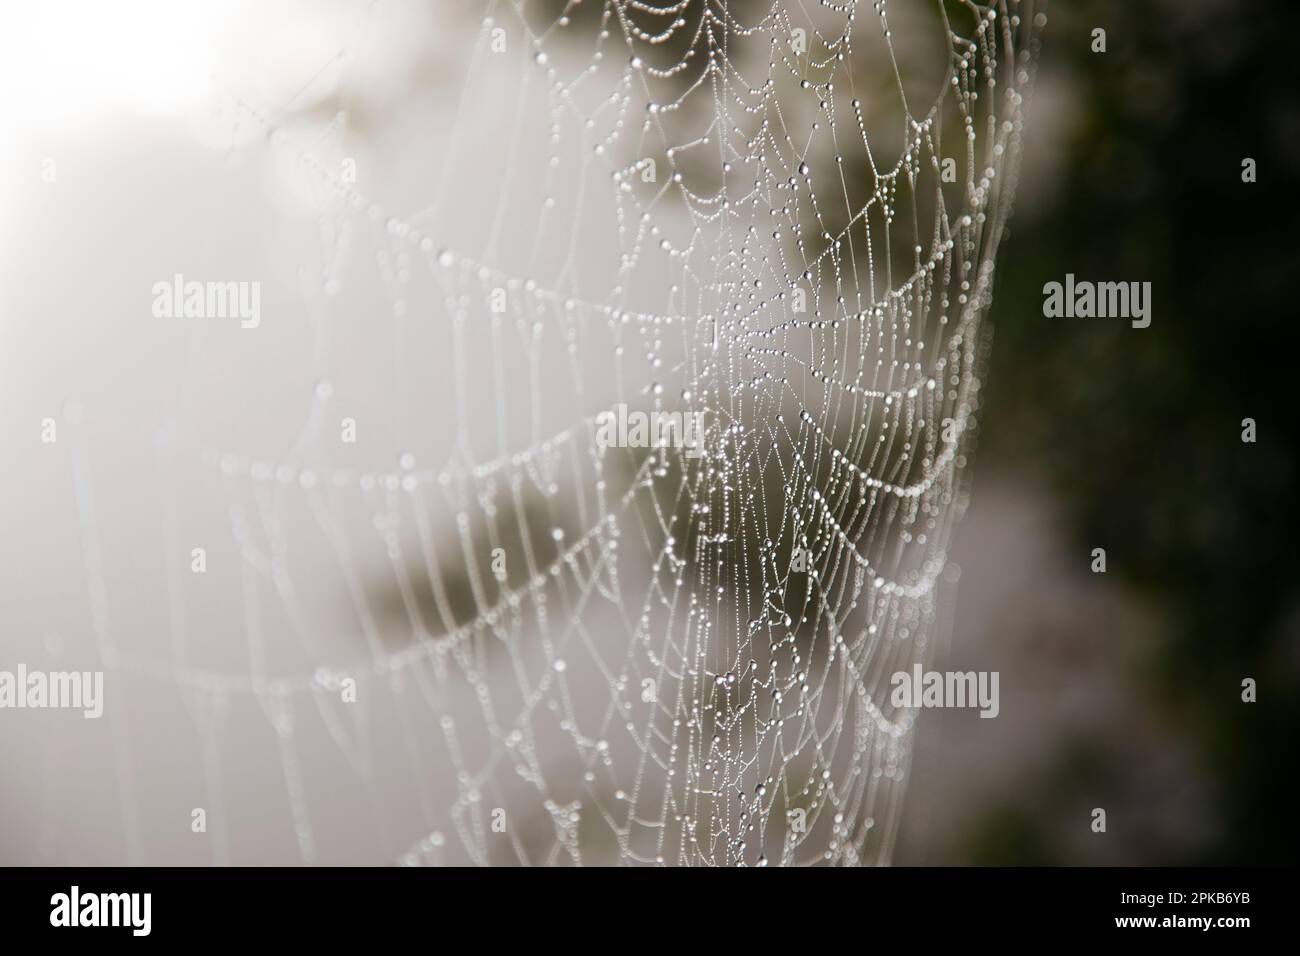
point(655, 677)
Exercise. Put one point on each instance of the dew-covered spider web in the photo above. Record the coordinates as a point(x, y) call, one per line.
point(431, 594)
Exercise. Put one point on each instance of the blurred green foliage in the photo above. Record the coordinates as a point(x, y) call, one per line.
point(1140, 430)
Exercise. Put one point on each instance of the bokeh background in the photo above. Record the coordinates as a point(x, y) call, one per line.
point(1119, 690)
point(1127, 684)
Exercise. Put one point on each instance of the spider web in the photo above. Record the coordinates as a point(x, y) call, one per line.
point(539, 649)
